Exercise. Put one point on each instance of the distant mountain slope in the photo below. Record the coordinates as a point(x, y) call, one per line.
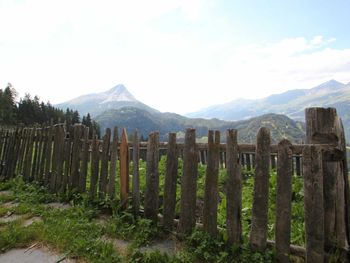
point(96, 103)
point(291, 103)
point(134, 118)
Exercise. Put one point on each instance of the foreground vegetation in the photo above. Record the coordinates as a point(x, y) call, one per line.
point(76, 232)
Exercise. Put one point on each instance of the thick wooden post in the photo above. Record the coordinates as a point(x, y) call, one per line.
point(136, 175)
point(258, 233)
point(113, 166)
point(346, 178)
point(234, 190)
point(189, 184)
point(104, 163)
point(211, 194)
point(322, 127)
point(124, 170)
point(170, 183)
point(313, 204)
point(152, 177)
point(283, 200)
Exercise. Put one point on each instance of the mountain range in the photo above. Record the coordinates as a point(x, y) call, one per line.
point(96, 103)
point(282, 113)
point(291, 103)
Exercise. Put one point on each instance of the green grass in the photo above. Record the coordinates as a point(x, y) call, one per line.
point(73, 231)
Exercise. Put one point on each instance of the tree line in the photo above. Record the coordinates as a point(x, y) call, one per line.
point(30, 111)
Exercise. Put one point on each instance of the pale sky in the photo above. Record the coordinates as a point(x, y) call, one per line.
point(174, 55)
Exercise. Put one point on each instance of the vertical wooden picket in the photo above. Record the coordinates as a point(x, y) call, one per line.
point(283, 200)
point(170, 183)
point(258, 233)
point(152, 177)
point(136, 175)
point(84, 160)
point(104, 163)
point(189, 184)
point(113, 166)
point(234, 190)
point(313, 204)
point(124, 169)
point(211, 194)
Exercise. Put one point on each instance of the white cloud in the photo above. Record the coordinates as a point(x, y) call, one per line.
point(62, 49)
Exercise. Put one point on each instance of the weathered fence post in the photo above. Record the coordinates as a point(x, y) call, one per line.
point(95, 158)
point(124, 170)
point(211, 194)
point(104, 163)
point(323, 127)
point(48, 158)
point(258, 233)
point(189, 184)
point(84, 160)
point(136, 175)
point(76, 148)
point(170, 183)
point(113, 166)
point(152, 177)
point(67, 163)
point(233, 190)
point(28, 156)
point(313, 204)
point(283, 200)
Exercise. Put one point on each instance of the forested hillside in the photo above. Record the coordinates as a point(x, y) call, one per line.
point(29, 111)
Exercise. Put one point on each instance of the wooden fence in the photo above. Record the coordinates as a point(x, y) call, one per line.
point(65, 159)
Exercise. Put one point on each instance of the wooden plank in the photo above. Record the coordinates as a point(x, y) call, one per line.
point(36, 171)
point(84, 160)
point(234, 190)
point(170, 183)
point(104, 163)
point(75, 171)
point(211, 193)
point(95, 158)
point(113, 165)
point(258, 233)
point(10, 158)
point(60, 159)
point(35, 153)
point(136, 175)
point(48, 157)
point(313, 204)
point(43, 155)
point(124, 170)
point(55, 156)
point(67, 164)
point(152, 177)
point(28, 158)
point(342, 146)
point(283, 201)
point(1, 143)
point(189, 184)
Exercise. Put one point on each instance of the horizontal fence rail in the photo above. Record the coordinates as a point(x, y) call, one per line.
point(65, 160)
